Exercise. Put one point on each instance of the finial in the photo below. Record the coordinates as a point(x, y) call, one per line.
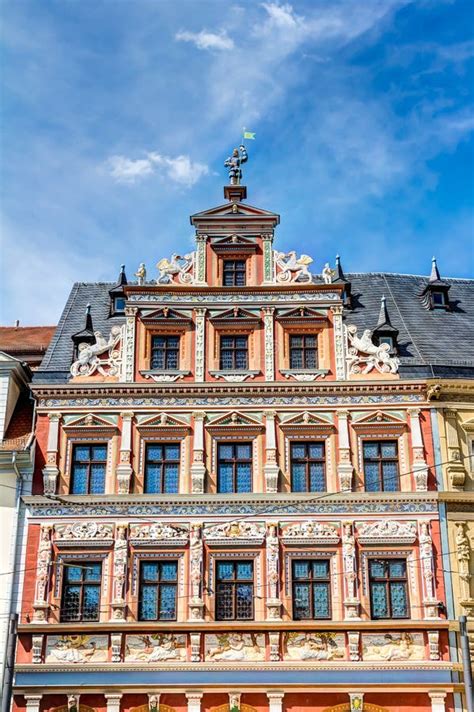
point(434, 270)
point(88, 309)
point(234, 163)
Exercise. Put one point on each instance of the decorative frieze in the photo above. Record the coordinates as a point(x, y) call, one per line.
point(88, 532)
point(310, 533)
point(43, 564)
point(386, 531)
point(236, 532)
point(158, 533)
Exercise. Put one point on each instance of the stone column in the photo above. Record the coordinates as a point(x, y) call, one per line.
point(200, 266)
point(420, 468)
point(345, 469)
point(124, 468)
point(273, 601)
point(194, 700)
point(128, 346)
point(268, 268)
point(199, 346)
point(33, 702)
point(339, 342)
point(455, 470)
point(196, 603)
point(198, 467)
point(118, 606)
point(438, 700)
point(351, 600)
point(50, 470)
point(270, 469)
point(113, 702)
point(430, 602)
point(268, 323)
point(43, 564)
point(275, 700)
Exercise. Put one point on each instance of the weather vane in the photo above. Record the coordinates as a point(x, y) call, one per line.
point(238, 157)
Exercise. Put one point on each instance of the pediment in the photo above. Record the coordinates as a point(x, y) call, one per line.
point(235, 419)
point(302, 312)
point(166, 313)
point(234, 241)
point(379, 418)
point(468, 425)
point(236, 313)
point(90, 420)
point(161, 420)
point(307, 419)
point(232, 209)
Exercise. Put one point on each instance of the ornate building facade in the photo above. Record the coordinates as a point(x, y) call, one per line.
point(236, 488)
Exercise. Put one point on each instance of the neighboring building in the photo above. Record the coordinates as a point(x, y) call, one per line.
point(235, 494)
point(26, 343)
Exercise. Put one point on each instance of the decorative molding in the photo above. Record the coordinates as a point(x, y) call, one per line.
point(128, 374)
point(116, 647)
point(269, 357)
point(237, 376)
point(37, 643)
point(310, 533)
point(340, 342)
point(199, 344)
point(304, 374)
point(165, 376)
point(158, 533)
point(69, 533)
point(386, 531)
point(237, 532)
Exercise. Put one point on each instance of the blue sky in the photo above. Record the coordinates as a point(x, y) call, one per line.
point(118, 115)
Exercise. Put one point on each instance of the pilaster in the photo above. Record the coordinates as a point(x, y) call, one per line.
point(345, 469)
point(198, 467)
point(268, 266)
point(128, 347)
point(270, 469)
point(268, 324)
point(430, 602)
point(124, 468)
point(43, 564)
point(455, 470)
point(339, 342)
point(273, 602)
point(351, 599)
point(118, 606)
point(194, 700)
point(199, 346)
point(420, 468)
point(200, 274)
point(154, 702)
point(275, 700)
point(51, 470)
point(33, 702)
point(438, 700)
point(113, 702)
point(196, 603)
point(356, 701)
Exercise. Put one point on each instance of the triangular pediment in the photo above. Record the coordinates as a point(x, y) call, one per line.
point(307, 418)
point(235, 313)
point(302, 312)
point(235, 419)
point(90, 420)
point(233, 241)
point(232, 209)
point(161, 420)
point(165, 313)
point(379, 418)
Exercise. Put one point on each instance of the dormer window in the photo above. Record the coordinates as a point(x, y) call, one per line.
point(438, 299)
point(234, 273)
point(435, 294)
point(119, 305)
point(117, 294)
point(386, 340)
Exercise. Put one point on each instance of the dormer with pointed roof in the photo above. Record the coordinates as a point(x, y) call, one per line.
point(117, 294)
point(340, 278)
point(85, 335)
point(384, 332)
point(435, 293)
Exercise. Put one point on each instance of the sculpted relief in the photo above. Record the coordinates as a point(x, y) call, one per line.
point(314, 646)
point(235, 647)
point(393, 646)
point(155, 647)
point(104, 357)
point(364, 356)
point(76, 649)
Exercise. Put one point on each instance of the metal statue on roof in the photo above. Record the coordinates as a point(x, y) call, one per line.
point(234, 163)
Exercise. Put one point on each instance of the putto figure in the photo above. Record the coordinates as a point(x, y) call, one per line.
point(234, 162)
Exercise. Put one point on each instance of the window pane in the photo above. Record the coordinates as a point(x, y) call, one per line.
point(371, 450)
point(91, 603)
point(321, 600)
point(244, 477)
point(225, 452)
point(390, 476)
point(92, 572)
point(244, 570)
point(152, 479)
point(97, 483)
point(297, 450)
point(371, 472)
point(169, 571)
point(70, 605)
point(301, 602)
point(158, 359)
point(79, 479)
point(379, 600)
point(388, 449)
point(73, 573)
point(296, 358)
point(296, 341)
point(377, 569)
point(226, 360)
point(225, 479)
point(172, 359)
point(311, 341)
point(148, 603)
point(320, 569)
point(241, 342)
point(298, 477)
point(398, 601)
point(397, 569)
point(172, 452)
point(99, 452)
point(224, 608)
point(311, 360)
point(149, 571)
point(316, 450)
point(154, 452)
point(241, 359)
point(317, 479)
point(171, 479)
point(168, 601)
point(227, 341)
point(244, 600)
point(81, 453)
point(300, 569)
point(225, 570)
point(244, 452)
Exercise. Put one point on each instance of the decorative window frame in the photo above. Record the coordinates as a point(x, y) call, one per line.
point(172, 431)
point(413, 585)
point(313, 553)
point(223, 438)
point(62, 557)
point(90, 437)
point(138, 555)
point(250, 327)
point(210, 585)
point(386, 427)
point(318, 429)
point(226, 253)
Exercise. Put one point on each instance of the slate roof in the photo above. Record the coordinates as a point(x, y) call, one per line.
point(434, 343)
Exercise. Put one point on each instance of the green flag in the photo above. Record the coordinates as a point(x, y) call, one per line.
point(249, 134)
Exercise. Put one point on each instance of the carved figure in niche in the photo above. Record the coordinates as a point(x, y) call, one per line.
point(140, 274)
point(155, 647)
point(76, 649)
point(88, 361)
point(327, 274)
point(293, 268)
point(178, 265)
point(234, 163)
point(363, 355)
point(236, 646)
point(463, 552)
point(315, 646)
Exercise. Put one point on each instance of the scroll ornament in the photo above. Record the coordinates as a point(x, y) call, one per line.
point(363, 355)
point(104, 356)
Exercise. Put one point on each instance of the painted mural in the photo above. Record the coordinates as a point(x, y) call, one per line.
point(155, 647)
point(77, 649)
point(235, 646)
point(314, 646)
point(393, 646)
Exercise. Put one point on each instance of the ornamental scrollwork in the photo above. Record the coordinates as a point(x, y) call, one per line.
point(178, 266)
point(235, 530)
point(83, 530)
point(104, 356)
point(387, 530)
point(158, 531)
point(363, 355)
point(292, 268)
point(311, 530)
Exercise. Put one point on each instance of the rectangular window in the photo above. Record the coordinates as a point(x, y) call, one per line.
point(311, 589)
point(158, 586)
point(234, 592)
point(388, 588)
point(162, 468)
point(381, 466)
point(81, 592)
point(438, 300)
point(234, 353)
point(234, 467)
point(165, 352)
point(308, 467)
point(89, 464)
point(234, 273)
point(304, 351)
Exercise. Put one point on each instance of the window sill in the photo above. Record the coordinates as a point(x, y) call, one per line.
point(165, 375)
point(304, 374)
point(235, 376)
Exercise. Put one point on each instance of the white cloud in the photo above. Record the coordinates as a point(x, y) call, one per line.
point(181, 169)
point(282, 15)
point(207, 40)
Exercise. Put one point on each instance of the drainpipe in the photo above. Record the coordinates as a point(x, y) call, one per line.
point(466, 663)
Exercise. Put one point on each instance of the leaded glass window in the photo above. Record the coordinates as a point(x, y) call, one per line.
point(234, 590)
point(81, 592)
point(234, 353)
point(162, 468)
point(89, 464)
point(234, 273)
point(234, 467)
point(303, 351)
point(388, 588)
point(165, 352)
point(381, 465)
point(308, 466)
point(311, 589)
point(158, 585)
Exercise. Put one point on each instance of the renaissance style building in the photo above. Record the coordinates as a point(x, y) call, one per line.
point(237, 490)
